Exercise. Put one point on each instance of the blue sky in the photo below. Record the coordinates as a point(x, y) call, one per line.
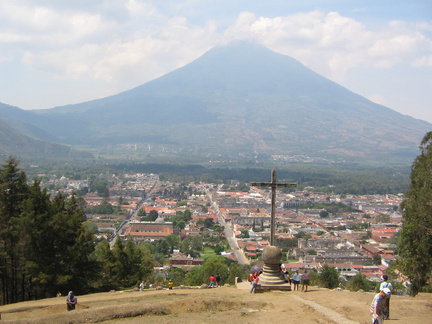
point(58, 52)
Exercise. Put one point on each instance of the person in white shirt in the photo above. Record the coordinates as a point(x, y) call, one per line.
point(296, 280)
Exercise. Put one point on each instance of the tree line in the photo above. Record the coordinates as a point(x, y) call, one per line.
point(46, 247)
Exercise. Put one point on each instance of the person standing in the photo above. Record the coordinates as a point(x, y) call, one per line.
point(296, 280)
point(386, 284)
point(71, 301)
point(170, 284)
point(378, 306)
point(212, 281)
point(218, 280)
point(141, 286)
point(305, 279)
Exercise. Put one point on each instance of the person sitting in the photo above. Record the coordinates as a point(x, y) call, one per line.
point(71, 301)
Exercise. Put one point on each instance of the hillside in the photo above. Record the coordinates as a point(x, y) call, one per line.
point(15, 143)
point(220, 305)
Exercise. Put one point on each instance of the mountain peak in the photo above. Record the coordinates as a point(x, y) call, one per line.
point(241, 99)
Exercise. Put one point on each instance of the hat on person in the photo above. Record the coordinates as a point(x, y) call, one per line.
point(71, 292)
point(387, 291)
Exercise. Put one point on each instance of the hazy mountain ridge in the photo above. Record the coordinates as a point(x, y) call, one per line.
point(242, 98)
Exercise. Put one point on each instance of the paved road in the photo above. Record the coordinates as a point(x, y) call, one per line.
point(229, 234)
point(134, 213)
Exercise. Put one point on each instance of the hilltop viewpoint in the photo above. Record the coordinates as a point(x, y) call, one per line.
point(226, 304)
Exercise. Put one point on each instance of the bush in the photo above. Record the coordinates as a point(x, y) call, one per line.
point(328, 277)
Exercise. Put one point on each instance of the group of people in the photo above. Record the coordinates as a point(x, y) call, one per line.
point(254, 280)
point(380, 307)
point(215, 281)
point(301, 278)
point(297, 279)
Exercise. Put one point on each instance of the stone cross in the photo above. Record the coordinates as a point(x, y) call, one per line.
point(273, 185)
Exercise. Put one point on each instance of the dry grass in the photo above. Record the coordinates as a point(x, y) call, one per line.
point(222, 305)
point(109, 309)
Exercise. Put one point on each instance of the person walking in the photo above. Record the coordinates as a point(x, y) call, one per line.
point(378, 306)
point(296, 280)
point(255, 282)
point(71, 301)
point(386, 284)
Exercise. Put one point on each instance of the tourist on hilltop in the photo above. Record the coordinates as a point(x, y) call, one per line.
point(296, 280)
point(218, 280)
point(386, 284)
point(212, 281)
point(305, 280)
point(378, 306)
point(71, 301)
point(254, 278)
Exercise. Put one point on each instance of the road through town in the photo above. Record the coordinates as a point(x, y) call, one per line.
point(229, 234)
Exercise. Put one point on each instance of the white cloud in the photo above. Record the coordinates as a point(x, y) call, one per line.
point(332, 44)
point(121, 44)
point(424, 61)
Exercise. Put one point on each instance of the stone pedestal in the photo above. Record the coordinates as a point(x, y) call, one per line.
point(271, 256)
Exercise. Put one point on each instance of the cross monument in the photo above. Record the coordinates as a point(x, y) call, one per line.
point(273, 185)
point(270, 279)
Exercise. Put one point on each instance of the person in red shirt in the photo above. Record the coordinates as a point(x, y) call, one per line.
point(255, 281)
point(212, 281)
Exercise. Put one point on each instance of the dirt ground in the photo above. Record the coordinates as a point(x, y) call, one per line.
point(219, 305)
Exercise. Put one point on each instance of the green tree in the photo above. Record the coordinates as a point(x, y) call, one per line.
point(234, 271)
point(106, 260)
point(163, 247)
point(195, 277)
point(416, 237)
point(13, 191)
point(131, 265)
point(72, 244)
point(173, 241)
point(177, 276)
point(358, 282)
point(329, 277)
point(244, 234)
point(152, 215)
point(323, 213)
point(376, 259)
point(215, 264)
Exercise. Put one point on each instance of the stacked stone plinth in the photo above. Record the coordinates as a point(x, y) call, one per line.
point(271, 256)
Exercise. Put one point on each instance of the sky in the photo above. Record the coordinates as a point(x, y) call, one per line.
point(59, 52)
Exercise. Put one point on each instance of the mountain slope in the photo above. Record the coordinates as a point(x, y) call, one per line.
point(15, 142)
point(241, 99)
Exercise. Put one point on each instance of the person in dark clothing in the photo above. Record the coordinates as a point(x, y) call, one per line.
point(218, 280)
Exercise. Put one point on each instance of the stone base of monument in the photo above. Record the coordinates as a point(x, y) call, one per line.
point(270, 278)
point(267, 288)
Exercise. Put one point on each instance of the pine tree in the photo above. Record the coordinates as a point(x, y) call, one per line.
point(415, 244)
point(37, 239)
point(13, 191)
